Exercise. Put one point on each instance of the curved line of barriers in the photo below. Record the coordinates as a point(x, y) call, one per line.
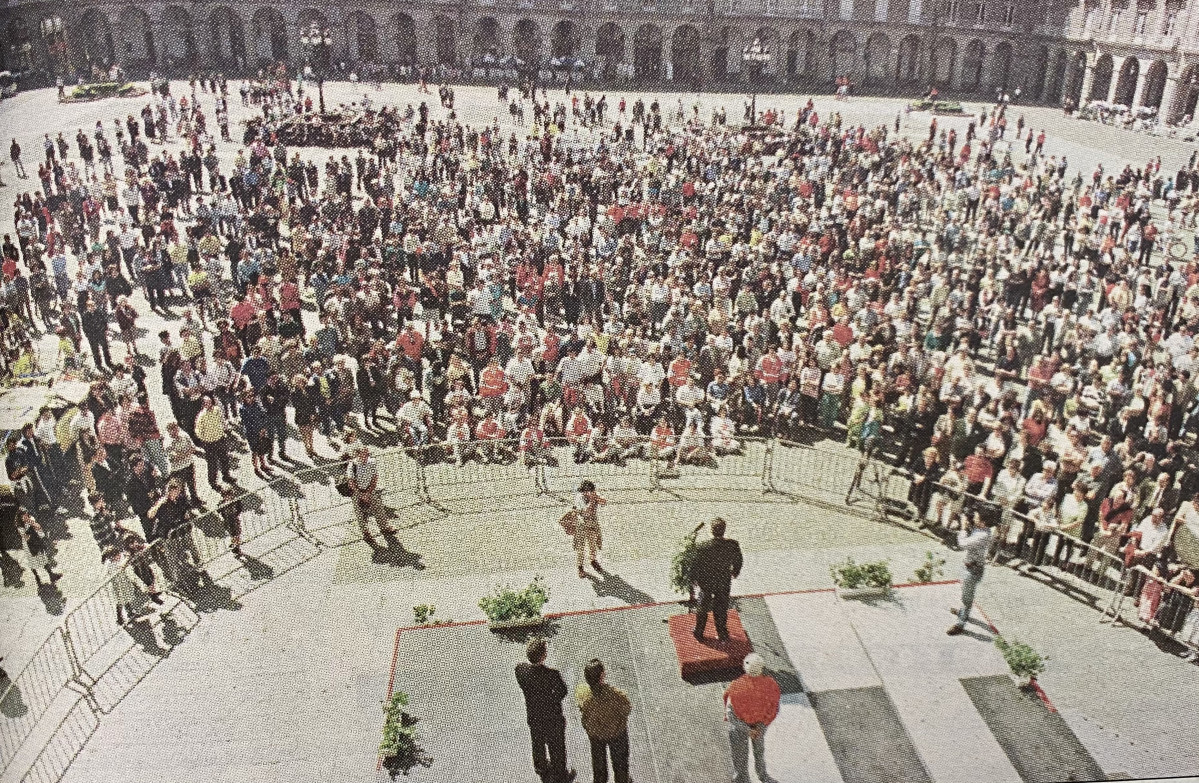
point(90, 662)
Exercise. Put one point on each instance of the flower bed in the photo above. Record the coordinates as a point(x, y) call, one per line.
point(100, 90)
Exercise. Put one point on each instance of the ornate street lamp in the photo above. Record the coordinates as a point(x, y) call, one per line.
point(756, 57)
point(316, 41)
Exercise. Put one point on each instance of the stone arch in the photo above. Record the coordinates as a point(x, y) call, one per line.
point(1187, 95)
point(1126, 84)
point(404, 30)
point(269, 36)
point(944, 61)
point(362, 37)
point(843, 56)
point(1057, 77)
point(801, 53)
point(1076, 71)
point(907, 61)
point(1001, 66)
point(526, 42)
point(487, 37)
point(719, 59)
point(445, 42)
point(647, 52)
point(564, 39)
point(228, 36)
point(1102, 80)
point(136, 36)
point(16, 36)
point(609, 47)
point(972, 65)
point(178, 37)
point(1040, 69)
point(686, 55)
point(877, 58)
point(92, 40)
point(1155, 84)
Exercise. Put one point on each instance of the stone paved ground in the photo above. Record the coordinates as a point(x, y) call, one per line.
point(463, 555)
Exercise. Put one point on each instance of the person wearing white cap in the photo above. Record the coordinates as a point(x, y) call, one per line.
point(751, 703)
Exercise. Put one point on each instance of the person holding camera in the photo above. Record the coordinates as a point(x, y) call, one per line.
point(975, 541)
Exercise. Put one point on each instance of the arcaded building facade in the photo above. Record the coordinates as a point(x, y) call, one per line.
point(1136, 52)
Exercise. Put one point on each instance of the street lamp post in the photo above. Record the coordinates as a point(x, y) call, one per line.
point(756, 57)
point(316, 41)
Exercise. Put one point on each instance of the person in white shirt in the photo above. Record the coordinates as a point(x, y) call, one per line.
point(458, 443)
point(1149, 539)
point(723, 429)
point(626, 437)
point(690, 397)
point(1006, 491)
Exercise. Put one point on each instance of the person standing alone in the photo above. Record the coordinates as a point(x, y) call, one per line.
point(605, 713)
point(544, 689)
point(751, 703)
point(974, 541)
point(717, 563)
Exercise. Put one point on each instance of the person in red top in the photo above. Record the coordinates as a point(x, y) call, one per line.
point(680, 370)
point(412, 343)
point(493, 384)
point(978, 472)
point(768, 371)
point(490, 435)
point(578, 430)
point(751, 703)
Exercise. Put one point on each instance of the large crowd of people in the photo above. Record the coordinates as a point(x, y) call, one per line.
point(633, 281)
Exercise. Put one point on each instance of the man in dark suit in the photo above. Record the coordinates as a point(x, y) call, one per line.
point(544, 690)
point(717, 563)
point(1157, 492)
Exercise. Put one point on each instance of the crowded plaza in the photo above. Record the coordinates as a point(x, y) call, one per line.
point(230, 288)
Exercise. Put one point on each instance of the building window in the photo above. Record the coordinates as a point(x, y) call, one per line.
point(1114, 22)
point(881, 7)
point(1142, 21)
point(847, 9)
point(915, 11)
point(1092, 19)
point(949, 10)
point(1009, 15)
point(809, 8)
point(1171, 24)
point(980, 13)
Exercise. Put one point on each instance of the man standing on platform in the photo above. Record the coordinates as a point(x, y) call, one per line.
point(544, 690)
point(717, 563)
point(751, 703)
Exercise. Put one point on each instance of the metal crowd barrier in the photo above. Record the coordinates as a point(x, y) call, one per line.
point(90, 662)
point(1167, 618)
point(1095, 571)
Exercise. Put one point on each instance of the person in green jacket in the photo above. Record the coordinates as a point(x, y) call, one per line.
point(605, 712)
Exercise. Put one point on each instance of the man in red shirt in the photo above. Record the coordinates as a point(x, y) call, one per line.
point(751, 703)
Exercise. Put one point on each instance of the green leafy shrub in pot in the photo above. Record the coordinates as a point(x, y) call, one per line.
point(1023, 660)
point(507, 603)
point(683, 561)
point(930, 569)
point(400, 747)
point(851, 575)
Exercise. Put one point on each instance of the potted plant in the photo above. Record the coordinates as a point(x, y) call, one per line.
point(861, 580)
point(400, 748)
point(426, 614)
point(507, 607)
point(1025, 662)
point(930, 569)
point(682, 563)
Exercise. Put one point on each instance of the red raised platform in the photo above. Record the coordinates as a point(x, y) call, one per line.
point(710, 655)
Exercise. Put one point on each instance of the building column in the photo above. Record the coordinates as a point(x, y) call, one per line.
point(1088, 81)
point(1142, 78)
point(1169, 95)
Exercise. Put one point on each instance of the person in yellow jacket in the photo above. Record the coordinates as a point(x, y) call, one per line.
point(605, 715)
